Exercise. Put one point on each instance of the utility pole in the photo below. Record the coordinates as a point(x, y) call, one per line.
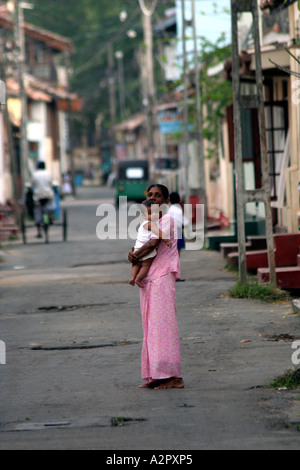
point(255, 101)
point(185, 106)
point(71, 126)
point(120, 56)
point(202, 182)
point(112, 104)
point(151, 93)
point(20, 41)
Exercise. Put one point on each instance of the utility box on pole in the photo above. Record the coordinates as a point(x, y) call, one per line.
point(254, 101)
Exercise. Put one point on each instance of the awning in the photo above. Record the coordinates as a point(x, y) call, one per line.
point(14, 108)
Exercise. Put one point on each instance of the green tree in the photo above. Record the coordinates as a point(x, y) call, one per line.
point(92, 25)
point(216, 91)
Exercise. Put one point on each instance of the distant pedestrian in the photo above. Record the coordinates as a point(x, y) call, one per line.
point(161, 363)
point(176, 212)
point(43, 193)
point(67, 187)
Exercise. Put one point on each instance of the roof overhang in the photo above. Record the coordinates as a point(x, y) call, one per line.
point(275, 4)
point(38, 90)
point(271, 53)
point(56, 41)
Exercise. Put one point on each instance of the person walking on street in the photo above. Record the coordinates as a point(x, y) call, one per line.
point(161, 361)
point(42, 193)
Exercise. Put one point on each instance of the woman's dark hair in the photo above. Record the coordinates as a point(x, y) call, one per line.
point(164, 190)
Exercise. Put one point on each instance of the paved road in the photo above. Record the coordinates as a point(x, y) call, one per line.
point(72, 329)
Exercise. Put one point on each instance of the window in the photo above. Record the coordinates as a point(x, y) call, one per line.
point(135, 173)
point(40, 53)
point(276, 130)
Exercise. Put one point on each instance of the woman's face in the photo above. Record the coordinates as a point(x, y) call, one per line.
point(155, 195)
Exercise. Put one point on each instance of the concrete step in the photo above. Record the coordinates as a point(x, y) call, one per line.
point(255, 259)
point(227, 248)
point(258, 242)
point(287, 277)
point(286, 253)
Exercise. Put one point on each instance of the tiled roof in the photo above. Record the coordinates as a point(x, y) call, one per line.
point(54, 40)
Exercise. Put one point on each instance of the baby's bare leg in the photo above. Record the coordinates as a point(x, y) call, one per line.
point(145, 266)
point(134, 272)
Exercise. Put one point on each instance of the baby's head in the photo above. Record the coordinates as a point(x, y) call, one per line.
point(150, 211)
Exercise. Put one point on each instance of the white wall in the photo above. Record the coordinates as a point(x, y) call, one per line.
point(63, 129)
point(39, 116)
point(2, 168)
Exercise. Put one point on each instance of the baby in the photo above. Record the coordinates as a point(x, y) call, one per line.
point(148, 227)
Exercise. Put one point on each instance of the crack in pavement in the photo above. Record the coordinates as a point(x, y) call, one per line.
point(76, 423)
point(67, 347)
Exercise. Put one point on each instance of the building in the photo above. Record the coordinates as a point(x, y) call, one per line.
point(49, 103)
point(279, 31)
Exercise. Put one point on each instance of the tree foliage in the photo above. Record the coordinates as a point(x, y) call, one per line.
point(216, 91)
point(92, 25)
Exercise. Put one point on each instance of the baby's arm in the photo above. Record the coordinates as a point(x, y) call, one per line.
point(134, 256)
point(154, 229)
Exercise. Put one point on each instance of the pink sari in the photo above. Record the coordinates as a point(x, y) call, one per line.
point(161, 345)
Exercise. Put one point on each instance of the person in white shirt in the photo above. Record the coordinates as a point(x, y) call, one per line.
point(176, 212)
point(42, 193)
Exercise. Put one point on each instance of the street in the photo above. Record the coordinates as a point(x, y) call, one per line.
point(72, 329)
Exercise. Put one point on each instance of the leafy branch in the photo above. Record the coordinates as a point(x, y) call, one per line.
point(216, 93)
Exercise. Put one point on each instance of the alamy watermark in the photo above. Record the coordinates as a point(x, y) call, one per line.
point(296, 93)
point(2, 353)
point(296, 354)
point(123, 224)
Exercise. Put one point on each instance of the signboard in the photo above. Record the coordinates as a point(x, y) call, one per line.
point(76, 105)
point(172, 122)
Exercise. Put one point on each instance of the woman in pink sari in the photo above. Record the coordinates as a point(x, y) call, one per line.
point(161, 363)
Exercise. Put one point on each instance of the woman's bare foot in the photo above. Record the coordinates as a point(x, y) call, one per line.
point(173, 382)
point(150, 384)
